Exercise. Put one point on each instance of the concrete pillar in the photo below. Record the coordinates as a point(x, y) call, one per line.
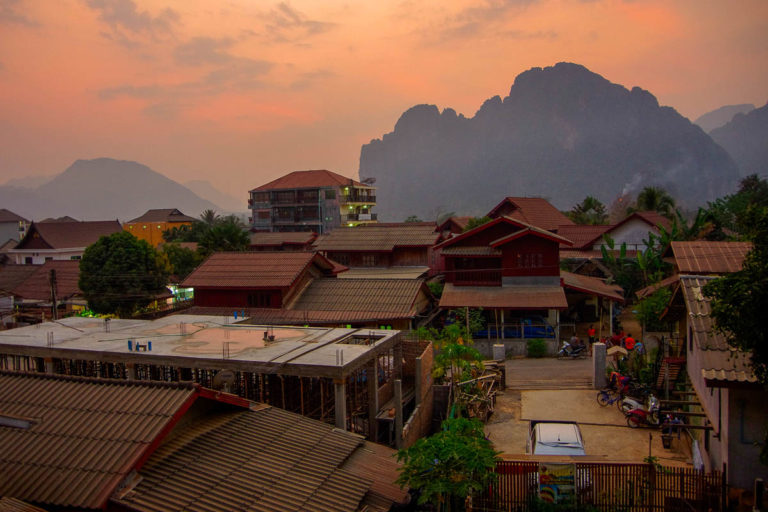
point(372, 375)
point(398, 414)
point(599, 380)
point(502, 326)
point(340, 395)
point(499, 353)
point(48, 365)
point(131, 371)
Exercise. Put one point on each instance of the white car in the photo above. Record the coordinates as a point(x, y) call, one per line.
point(554, 438)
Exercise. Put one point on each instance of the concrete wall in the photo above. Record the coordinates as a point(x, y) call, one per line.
point(512, 348)
point(747, 421)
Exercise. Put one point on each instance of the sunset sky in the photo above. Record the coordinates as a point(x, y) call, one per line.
point(239, 92)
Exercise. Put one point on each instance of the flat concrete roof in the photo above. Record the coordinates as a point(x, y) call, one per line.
point(197, 341)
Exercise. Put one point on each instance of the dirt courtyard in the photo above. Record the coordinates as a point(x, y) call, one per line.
point(604, 429)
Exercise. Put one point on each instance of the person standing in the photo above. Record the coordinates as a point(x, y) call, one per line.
point(629, 342)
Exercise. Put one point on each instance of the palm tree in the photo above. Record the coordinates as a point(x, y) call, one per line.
point(654, 199)
point(589, 211)
point(210, 217)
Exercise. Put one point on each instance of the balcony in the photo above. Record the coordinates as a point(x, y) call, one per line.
point(358, 198)
point(358, 217)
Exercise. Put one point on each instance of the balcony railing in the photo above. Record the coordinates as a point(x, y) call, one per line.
point(359, 216)
point(358, 198)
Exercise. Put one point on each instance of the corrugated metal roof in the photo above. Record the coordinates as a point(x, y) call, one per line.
point(267, 459)
point(83, 437)
point(252, 269)
point(582, 235)
point(62, 235)
point(375, 462)
point(508, 297)
point(592, 286)
point(649, 290)
point(163, 215)
point(374, 237)
point(37, 285)
point(535, 211)
point(309, 179)
point(393, 296)
point(702, 257)
point(720, 361)
point(13, 505)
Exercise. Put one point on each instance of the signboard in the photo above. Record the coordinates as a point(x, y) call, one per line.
point(557, 482)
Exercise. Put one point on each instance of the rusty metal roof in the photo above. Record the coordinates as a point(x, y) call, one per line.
point(309, 179)
point(259, 269)
point(265, 459)
point(649, 290)
point(703, 257)
point(62, 235)
point(37, 285)
point(719, 360)
point(375, 237)
point(84, 435)
point(592, 286)
point(507, 297)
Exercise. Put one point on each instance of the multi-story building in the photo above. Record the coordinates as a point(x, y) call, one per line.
point(317, 200)
point(153, 223)
point(12, 226)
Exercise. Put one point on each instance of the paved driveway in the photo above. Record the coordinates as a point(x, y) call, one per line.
point(551, 389)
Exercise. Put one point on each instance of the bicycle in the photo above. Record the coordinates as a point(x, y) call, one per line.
point(606, 397)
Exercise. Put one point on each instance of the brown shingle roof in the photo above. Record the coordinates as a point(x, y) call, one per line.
point(583, 236)
point(37, 285)
point(702, 257)
point(379, 237)
point(253, 269)
point(535, 211)
point(265, 459)
point(12, 276)
point(309, 179)
point(61, 235)
point(508, 297)
point(278, 239)
point(391, 296)
point(163, 215)
point(85, 435)
point(9, 216)
point(719, 360)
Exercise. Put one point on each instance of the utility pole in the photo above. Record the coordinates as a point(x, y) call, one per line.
point(52, 281)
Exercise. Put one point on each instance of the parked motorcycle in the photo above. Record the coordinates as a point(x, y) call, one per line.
point(568, 350)
point(645, 416)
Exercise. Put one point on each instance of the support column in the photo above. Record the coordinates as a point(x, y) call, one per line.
point(398, 356)
point(372, 375)
point(502, 326)
point(131, 369)
point(398, 414)
point(598, 365)
point(340, 395)
point(48, 365)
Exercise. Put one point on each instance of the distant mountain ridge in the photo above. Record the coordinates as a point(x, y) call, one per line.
point(721, 116)
point(746, 139)
point(563, 133)
point(102, 189)
point(226, 202)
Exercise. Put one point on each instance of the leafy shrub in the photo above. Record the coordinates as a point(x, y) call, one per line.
point(537, 347)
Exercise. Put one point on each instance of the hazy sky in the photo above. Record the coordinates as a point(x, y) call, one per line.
point(240, 92)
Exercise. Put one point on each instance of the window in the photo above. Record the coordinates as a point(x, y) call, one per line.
point(262, 215)
point(28, 260)
point(330, 194)
point(369, 260)
point(260, 300)
point(75, 257)
point(49, 258)
point(260, 197)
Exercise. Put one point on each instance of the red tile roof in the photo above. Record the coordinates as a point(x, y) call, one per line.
point(702, 257)
point(309, 179)
point(84, 437)
point(381, 238)
point(9, 216)
point(253, 269)
point(12, 276)
point(592, 286)
point(37, 285)
point(535, 211)
point(280, 239)
point(163, 215)
point(517, 228)
point(507, 297)
point(583, 236)
point(454, 224)
point(63, 235)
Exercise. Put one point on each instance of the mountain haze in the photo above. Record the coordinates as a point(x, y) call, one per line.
point(746, 139)
point(226, 202)
point(721, 116)
point(102, 189)
point(563, 133)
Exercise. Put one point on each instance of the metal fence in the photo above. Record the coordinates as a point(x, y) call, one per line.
point(610, 487)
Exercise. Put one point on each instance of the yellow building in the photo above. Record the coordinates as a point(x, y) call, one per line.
point(151, 225)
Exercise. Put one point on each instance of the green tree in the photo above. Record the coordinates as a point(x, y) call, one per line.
point(589, 211)
point(728, 216)
point(120, 273)
point(412, 218)
point(228, 235)
point(654, 199)
point(449, 466)
point(210, 217)
point(476, 221)
point(182, 260)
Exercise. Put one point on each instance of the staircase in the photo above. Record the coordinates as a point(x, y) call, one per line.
point(675, 365)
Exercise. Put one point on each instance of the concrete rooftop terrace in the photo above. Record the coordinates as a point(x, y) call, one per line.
point(196, 341)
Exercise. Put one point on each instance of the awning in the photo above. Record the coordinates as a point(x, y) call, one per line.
point(592, 286)
point(504, 297)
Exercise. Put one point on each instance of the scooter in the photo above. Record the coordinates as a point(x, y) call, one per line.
point(628, 404)
point(568, 350)
point(641, 416)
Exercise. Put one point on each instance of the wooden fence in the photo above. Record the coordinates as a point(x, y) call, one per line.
point(610, 487)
